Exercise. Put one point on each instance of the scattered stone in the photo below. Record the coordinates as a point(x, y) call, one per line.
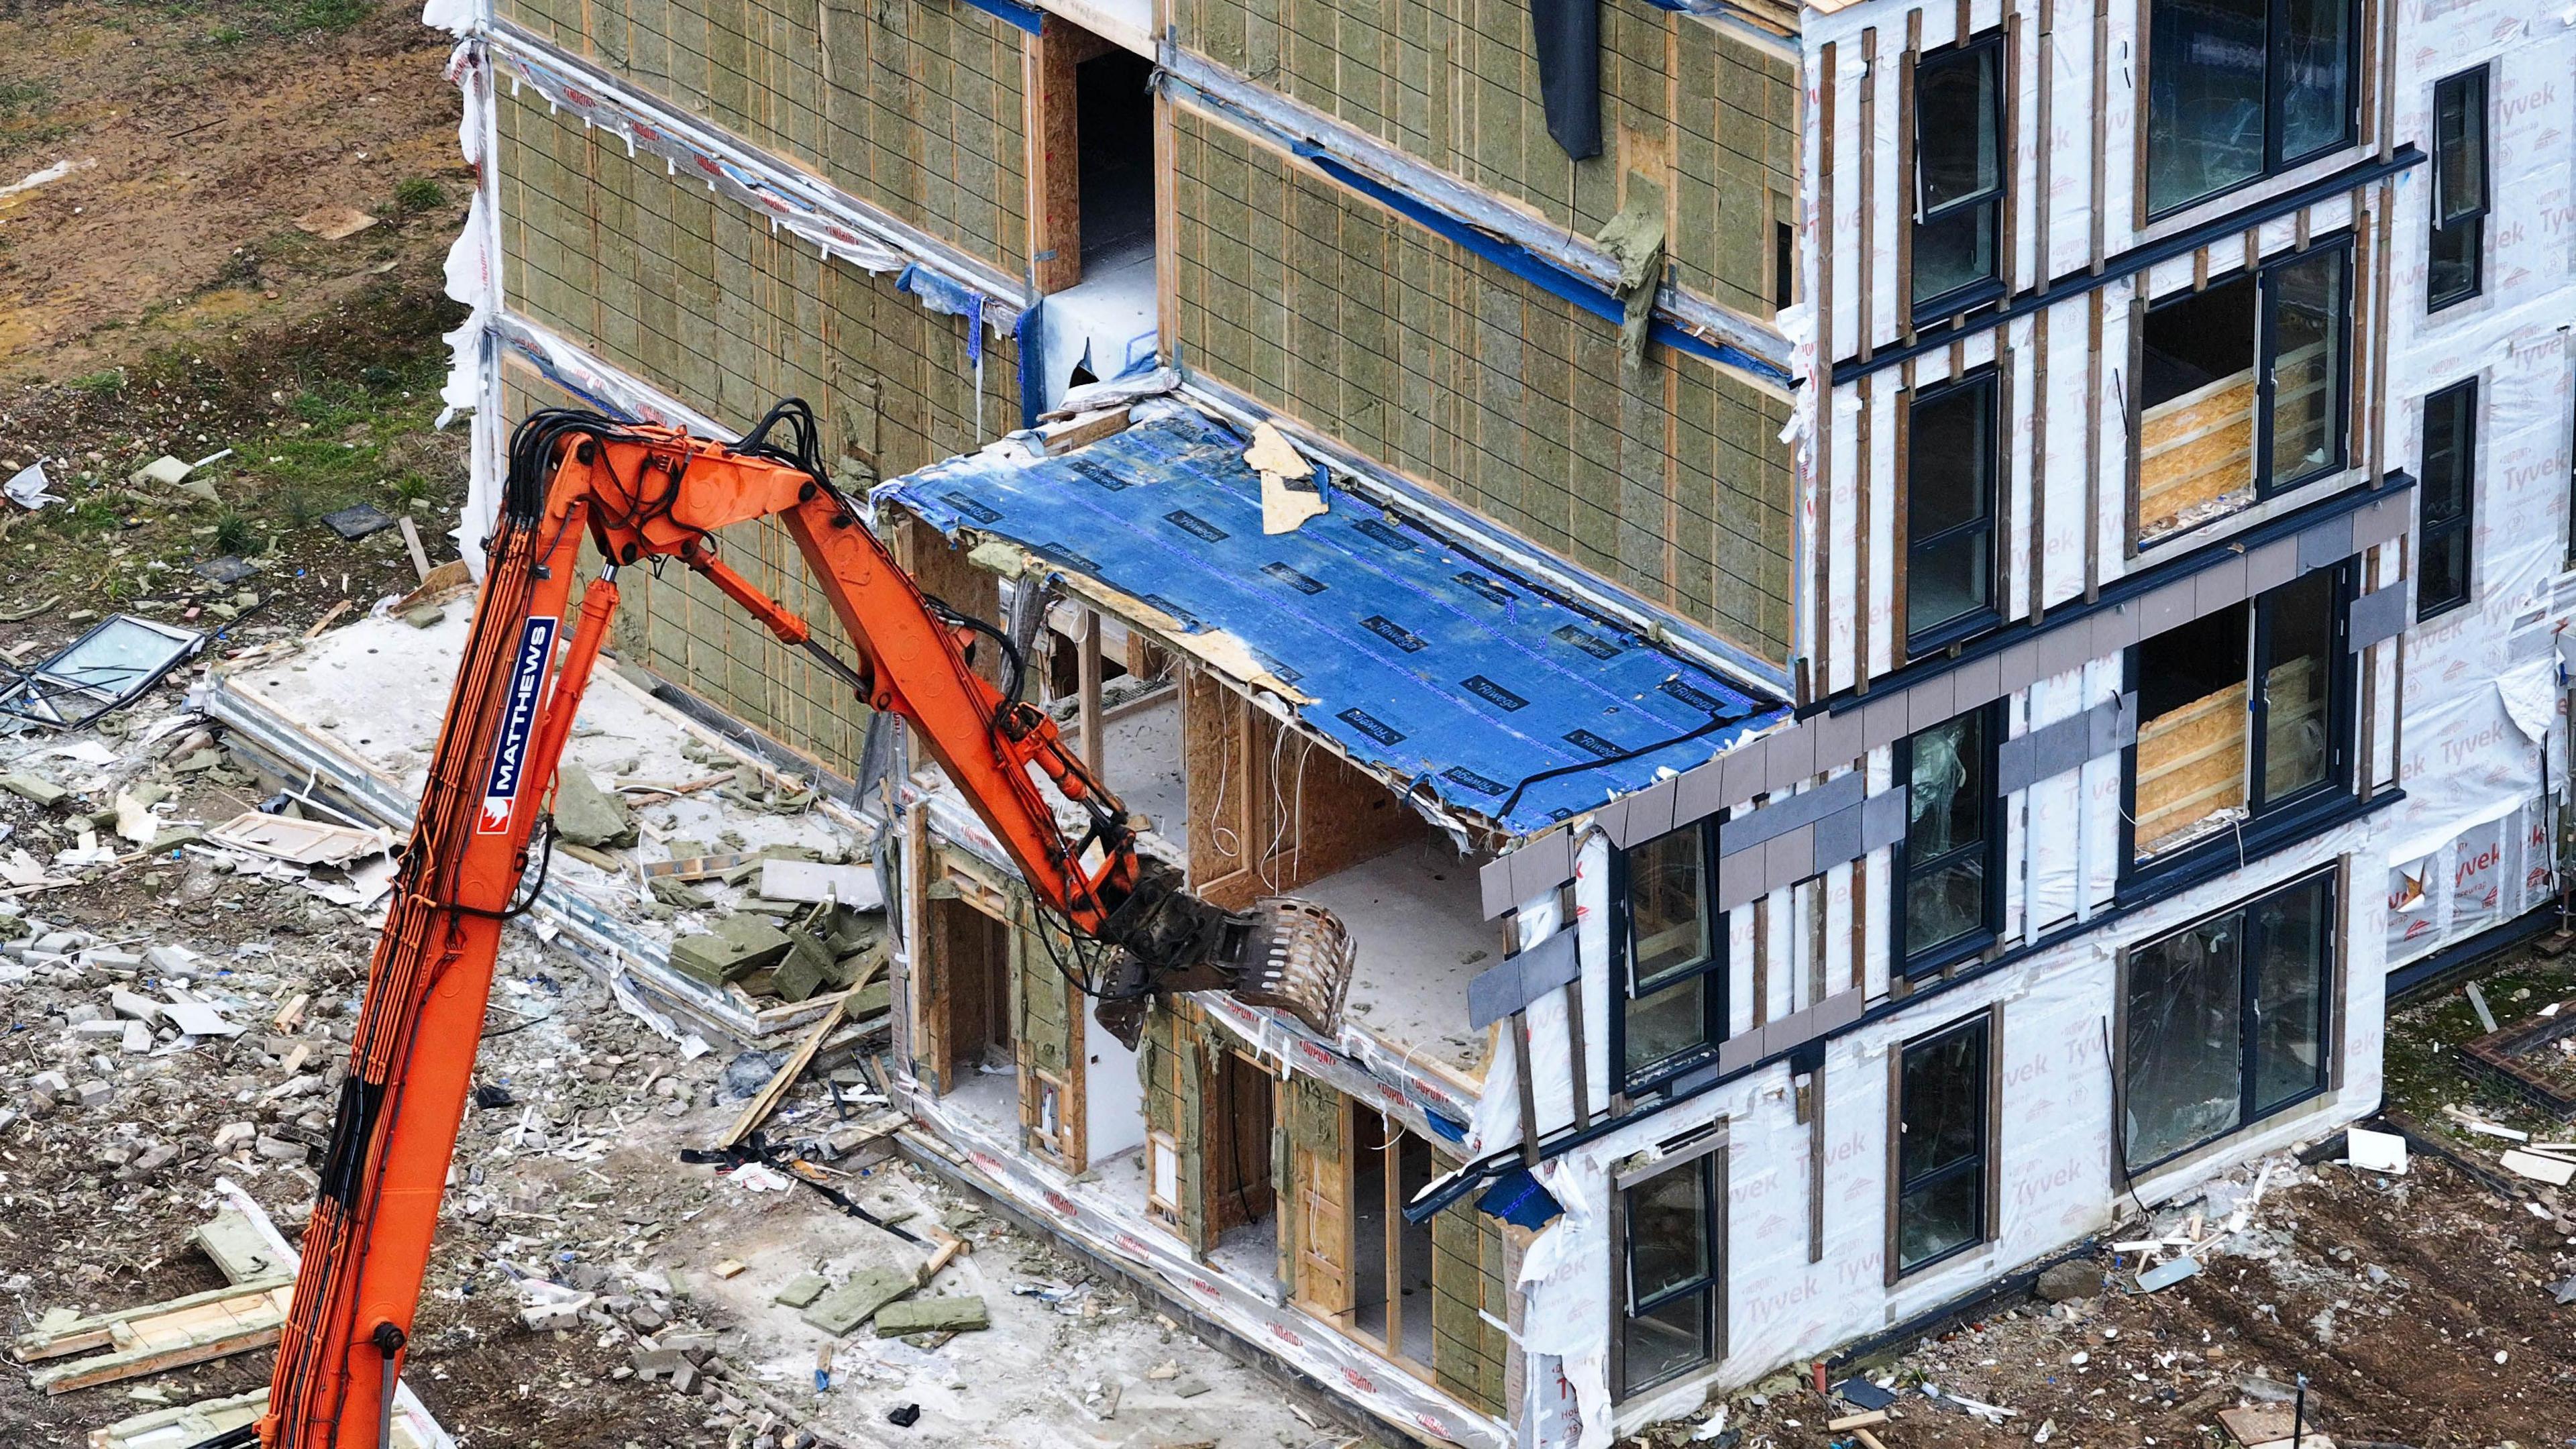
point(234, 1134)
point(430, 616)
point(94, 1093)
point(139, 1008)
point(2065, 1282)
point(587, 815)
point(278, 1149)
point(546, 1317)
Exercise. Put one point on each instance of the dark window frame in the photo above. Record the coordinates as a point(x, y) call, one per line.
point(2272, 820)
point(2267, 361)
point(1901, 863)
point(1712, 967)
point(2275, 93)
point(2432, 532)
point(1977, 1164)
point(1969, 295)
point(2249, 1113)
point(2475, 218)
point(1976, 621)
point(1706, 1157)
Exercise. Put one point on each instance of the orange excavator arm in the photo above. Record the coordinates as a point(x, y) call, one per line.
point(641, 493)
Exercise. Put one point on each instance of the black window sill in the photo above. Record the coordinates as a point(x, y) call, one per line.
point(2226, 850)
point(2435, 306)
point(2351, 142)
point(2425, 612)
point(1941, 958)
point(1652, 1080)
point(1973, 1245)
point(1961, 300)
point(1957, 631)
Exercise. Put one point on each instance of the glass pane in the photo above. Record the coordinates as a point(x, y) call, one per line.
point(2185, 1015)
point(2196, 408)
point(1947, 581)
point(2289, 996)
point(1954, 150)
point(2295, 719)
point(2205, 65)
point(2459, 146)
point(2191, 739)
point(1668, 1232)
point(1668, 917)
point(1944, 904)
point(1933, 1220)
point(2307, 365)
point(1950, 469)
point(1672, 1339)
point(2451, 262)
point(2316, 75)
point(2447, 422)
point(2446, 571)
point(1956, 250)
point(1943, 1107)
point(1948, 806)
point(1666, 1024)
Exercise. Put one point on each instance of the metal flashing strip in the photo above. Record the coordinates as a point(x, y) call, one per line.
point(835, 222)
point(2074, 285)
point(618, 394)
point(1457, 683)
point(1026, 18)
point(1565, 265)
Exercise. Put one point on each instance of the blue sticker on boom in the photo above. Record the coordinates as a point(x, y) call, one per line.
point(509, 759)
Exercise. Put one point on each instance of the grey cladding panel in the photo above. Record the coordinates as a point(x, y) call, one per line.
point(2326, 544)
point(2380, 522)
point(2060, 746)
point(2377, 615)
point(1837, 837)
point(1519, 980)
point(1884, 818)
point(1755, 827)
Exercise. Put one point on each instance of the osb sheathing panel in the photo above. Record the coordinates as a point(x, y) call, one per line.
point(680, 628)
point(1297, 807)
point(1668, 478)
point(1710, 120)
point(914, 107)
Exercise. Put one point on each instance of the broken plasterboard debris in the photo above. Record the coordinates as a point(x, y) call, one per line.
point(334, 223)
point(854, 886)
point(2538, 1168)
point(303, 842)
point(2375, 1151)
point(196, 1018)
point(2484, 1127)
point(1289, 492)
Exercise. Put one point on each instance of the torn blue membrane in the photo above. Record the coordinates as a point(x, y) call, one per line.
point(1426, 661)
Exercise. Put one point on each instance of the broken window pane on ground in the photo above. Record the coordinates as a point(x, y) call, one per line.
point(1941, 1136)
point(101, 670)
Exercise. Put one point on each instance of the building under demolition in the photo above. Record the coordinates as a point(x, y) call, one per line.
point(1886, 622)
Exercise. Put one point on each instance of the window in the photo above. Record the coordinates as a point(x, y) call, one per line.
point(1958, 176)
point(2238, 89)
point(1784, 264)
point(2454, 262)
point(1950, 506)
point(2241, 390)
point(1668, 1325)
point(1946, 900)
point(2448, 498)
point(1676, 1007)
point(2242, 714)
point(2226, 1022)
point(1941, 1145)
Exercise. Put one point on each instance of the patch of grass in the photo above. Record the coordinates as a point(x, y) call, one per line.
point(226, 36)
point(94, 514)
point(412, 488)
point(419, 194)
point(296, 16)
point(101, 384)
point(232, 532)
point(22, 98)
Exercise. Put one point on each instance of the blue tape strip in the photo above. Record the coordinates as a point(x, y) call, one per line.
point(1031, 337)
point(1530, 267)
point(1026, 17)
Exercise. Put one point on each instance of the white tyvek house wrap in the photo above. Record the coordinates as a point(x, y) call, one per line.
point(2469, 848)
point(473, 277)
point(1496, 1125)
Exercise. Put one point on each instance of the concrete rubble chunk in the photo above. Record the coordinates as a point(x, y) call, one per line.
point(738, 947)
point(801, 1290)
point(547, 1317)
point(171, 960)
point(279, 1150)
point(95, 1093)
point(44, 792)
point(237, 1249)
point(138, 1008)
point(138, 1037)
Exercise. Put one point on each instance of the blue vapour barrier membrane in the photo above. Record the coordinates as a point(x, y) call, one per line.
point(1437, 667)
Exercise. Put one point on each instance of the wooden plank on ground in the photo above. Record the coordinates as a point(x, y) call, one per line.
point(152, 1340)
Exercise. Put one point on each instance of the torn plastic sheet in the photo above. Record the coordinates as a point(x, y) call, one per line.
point(1379, 1073)
point(1091, 1213)
point(28, 488)
point(102, 670)
point(837, 225)
point(1414, 657)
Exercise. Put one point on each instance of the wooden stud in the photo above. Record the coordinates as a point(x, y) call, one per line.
point(1087, 691)
point(1519, 1029)
point(2137, 66)
point(1761, 959)
point(1898, 496)
point(2199, 271)
point(2130, 411)
point(1967, 24)
point(1816, 1164)
point(2008, 260)
point(1055, 152)
point(2093, 447)
point(1908, 189)
point(2045, 144)
point(2039, 467)
point(1576, 1053)
point(1820, 556)
point(1868, 212)
point(2379, 351)
point(1863, 660)
point(2095, 201)
point(2002, 557)
point(1895, 1143)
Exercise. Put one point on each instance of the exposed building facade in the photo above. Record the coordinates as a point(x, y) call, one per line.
point(1883, 620)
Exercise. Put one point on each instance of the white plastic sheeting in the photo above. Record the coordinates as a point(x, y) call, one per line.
point(2485, 734)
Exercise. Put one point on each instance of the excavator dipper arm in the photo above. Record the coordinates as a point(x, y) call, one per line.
point(641, 493)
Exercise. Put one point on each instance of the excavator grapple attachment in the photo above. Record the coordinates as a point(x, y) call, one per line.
point(1297, 957)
